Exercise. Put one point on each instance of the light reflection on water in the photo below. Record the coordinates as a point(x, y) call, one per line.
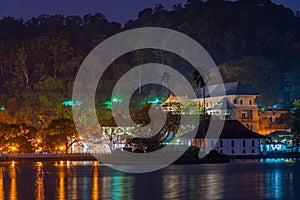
point(238, 180)
point(13, 192)
point(39, 183)
point(2, 194)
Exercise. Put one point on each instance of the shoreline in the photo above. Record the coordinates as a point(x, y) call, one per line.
point(90, 157)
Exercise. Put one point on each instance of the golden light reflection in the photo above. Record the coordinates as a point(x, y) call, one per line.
point(171, 184)
point(95, 191)
point(13, 192)
point(61, 184)
point(39, 183)
point(2, 192)
point(74, 192)
point(216, 184)
point(105, 186)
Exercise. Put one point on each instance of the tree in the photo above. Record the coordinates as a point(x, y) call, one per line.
point(21, 63)
point(61, 51)
point(60, 134)
point(199, 83)
point(17, 138)
point(165, 78)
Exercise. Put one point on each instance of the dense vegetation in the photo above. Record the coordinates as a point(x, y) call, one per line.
point(254, 41)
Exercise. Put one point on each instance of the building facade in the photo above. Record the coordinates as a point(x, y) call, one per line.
point(235, 140)
point(236, 104)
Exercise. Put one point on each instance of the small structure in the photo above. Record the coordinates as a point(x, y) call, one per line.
point(235, 140)
point(172, 104)
point(279, 142)
point(275, 122)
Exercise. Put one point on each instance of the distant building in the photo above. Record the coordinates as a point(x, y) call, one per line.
point(274, 121)
point(235, 140)
point(237, 104)
point(279, 142)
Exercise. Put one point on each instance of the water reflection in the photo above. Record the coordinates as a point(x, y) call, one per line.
point(13, 192)
point(95, 192)
point(2, 193)
point(271, 184)
point(61, 184)
point(39, 183)
point(206, 186)
point(117, 187)
point(75, 181)
point(171, 184)
point(74, 187)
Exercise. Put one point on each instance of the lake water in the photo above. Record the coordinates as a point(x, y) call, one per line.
point(269, 179)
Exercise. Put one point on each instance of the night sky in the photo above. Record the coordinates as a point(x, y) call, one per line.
point(114, 10)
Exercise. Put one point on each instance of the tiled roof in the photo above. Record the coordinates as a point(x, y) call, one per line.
point(234, 88)
point(232, 129)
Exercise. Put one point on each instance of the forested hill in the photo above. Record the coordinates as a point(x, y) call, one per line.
point(254, 41)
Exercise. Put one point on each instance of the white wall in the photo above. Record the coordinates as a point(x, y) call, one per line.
point(238, 148)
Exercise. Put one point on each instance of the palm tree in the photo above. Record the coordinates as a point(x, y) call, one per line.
point(165, 78)
point(199, 82)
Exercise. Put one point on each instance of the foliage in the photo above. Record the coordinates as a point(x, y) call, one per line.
point(255, 42)
point(60, 135)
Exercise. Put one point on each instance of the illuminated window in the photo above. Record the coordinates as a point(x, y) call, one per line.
point(247, 114)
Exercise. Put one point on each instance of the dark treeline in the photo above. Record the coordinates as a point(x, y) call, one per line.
point(254, 41)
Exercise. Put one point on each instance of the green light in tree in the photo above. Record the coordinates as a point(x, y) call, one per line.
point(114, 100)
point(2, 107)
point(71, 103)
point(108, 104)
point(155, 101)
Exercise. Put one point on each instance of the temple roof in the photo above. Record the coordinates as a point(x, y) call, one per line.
point(175, 99)
point(234, 88)
point(232, 129)
point(223, 105)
